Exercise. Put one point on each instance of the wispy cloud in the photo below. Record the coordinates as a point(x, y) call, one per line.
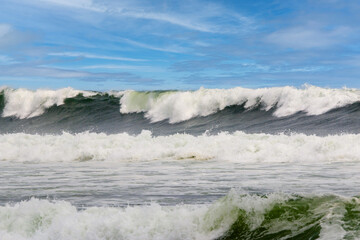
point(199, 20)
point(126, 67)
point(4, 29)
point(309, 69)
point(80, 4)
point(307, 37)
point(6, 60)
point(34, 71)
point(172, 49)
point(10, 37)
point(201, 16)
point(182, 21)
point(202, 65)
point(94, 56)
point(215, 42)
point(18, 71)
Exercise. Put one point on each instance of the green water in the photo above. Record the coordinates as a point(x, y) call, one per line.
point(298, 218)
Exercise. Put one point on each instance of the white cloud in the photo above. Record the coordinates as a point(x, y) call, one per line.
point(6, 60)
point(94, 56)
point(81, 4)
point(126, 67)
point(303, 38)
point(183, 21)
point(23, 71)
point(309, 69)
point(200, 17)
point(4, 30)
point(198, 20)
point(11, 37)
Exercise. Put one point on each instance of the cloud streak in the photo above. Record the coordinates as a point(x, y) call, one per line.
point(18, 71)
point(125, 67)
point(94, 56)
point(4, 60)
point(80, 4)
point(307, 37)
point(171, 49)
point(182, 21)
point(192, 20)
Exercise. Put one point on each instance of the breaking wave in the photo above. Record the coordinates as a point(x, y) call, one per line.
point(235, 216)
point(23, 103)
point(178, 106)
point(310, 110)
point(236, 147)
point(182, 106)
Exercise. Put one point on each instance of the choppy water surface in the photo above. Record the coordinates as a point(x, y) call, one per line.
point(170, 182)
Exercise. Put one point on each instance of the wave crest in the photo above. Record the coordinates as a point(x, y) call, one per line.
point(178, 106)
point(23, 103)
point(182, 106)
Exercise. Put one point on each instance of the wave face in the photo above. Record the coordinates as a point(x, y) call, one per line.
point(274, 216)
point(237, 147)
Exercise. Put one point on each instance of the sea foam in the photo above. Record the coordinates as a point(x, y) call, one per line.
point(235, 147)
point(274, 216)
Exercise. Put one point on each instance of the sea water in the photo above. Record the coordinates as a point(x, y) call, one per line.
point(270, 163)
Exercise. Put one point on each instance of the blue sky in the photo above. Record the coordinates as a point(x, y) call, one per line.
point(146, 45)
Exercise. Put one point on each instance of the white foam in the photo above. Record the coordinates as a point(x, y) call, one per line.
point(181, 106)
point(117, 94)
point(236, 147)
point(42, 219)
point(332, 224)
point(23, 103)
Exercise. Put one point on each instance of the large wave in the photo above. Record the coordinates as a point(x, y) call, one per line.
point(236, 147)
point(181, 106)
point(274, 216)
point(177, 106)
point(23, 103)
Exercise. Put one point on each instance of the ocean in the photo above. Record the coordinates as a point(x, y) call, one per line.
point(267, 163)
